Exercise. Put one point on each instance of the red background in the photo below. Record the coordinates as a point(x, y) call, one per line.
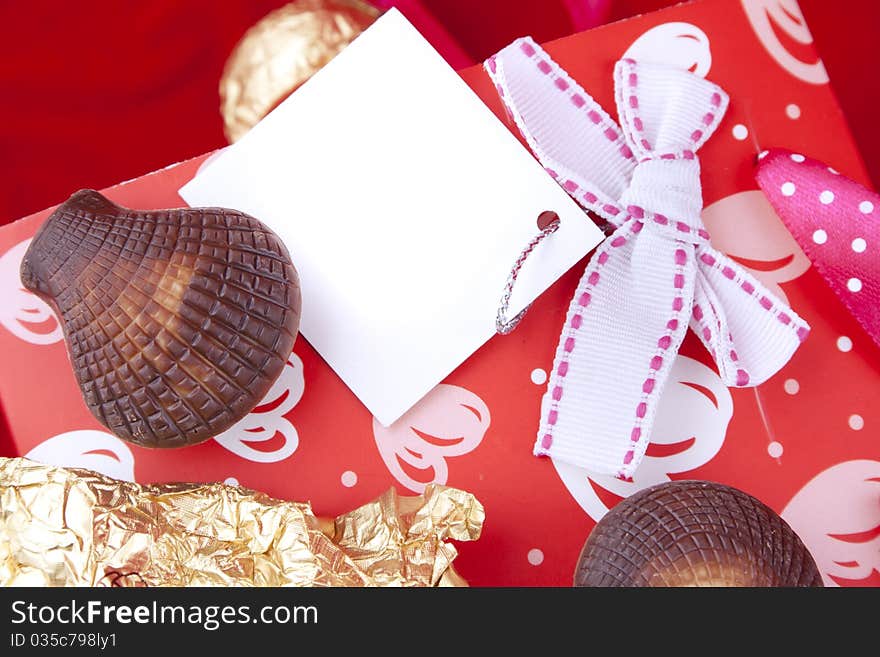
point(95, 92)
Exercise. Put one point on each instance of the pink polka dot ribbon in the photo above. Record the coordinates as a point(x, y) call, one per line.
point(656, 274)
point(835, 221)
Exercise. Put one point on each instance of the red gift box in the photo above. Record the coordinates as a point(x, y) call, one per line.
point(804, 442)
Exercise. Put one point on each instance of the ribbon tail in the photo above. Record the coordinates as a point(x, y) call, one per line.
point(623, 329)
point(748, 330)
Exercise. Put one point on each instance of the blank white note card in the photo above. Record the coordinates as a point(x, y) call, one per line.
point(404, 203)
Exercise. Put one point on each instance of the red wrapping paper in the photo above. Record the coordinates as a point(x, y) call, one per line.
point(804, 442)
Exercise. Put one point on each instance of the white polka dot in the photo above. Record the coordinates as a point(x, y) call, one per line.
point(536, 557)
point(866, 207)
point(797, 157)
point(763, 154)
point(826, 197)
point(231, 481)
point(787, 189)
point(854, 285)
point(856, 422)
point(791, 386)
point(834, 171)
point(820, 236)
point(792, 111)
point(844, 343)
point(774, 449)
point(348, 478)
point(539, 376)
point(740, 131)
point(859, 245)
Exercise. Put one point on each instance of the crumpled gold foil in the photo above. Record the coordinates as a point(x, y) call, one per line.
point(67, 527)
point(282, 51)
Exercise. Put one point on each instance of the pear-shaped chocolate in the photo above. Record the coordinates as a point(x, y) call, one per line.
point(694, 533)
point(177, 322)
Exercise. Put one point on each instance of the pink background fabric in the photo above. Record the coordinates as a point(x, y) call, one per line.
point(836, 222)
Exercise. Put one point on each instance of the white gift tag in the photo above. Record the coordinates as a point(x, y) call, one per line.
point(404, 203)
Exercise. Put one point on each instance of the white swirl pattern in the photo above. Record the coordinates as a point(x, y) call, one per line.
point(837, 515)
point(20, 310)
point(449, 421)
point(681, 45)
point(89, 449)
point(768, 19)
point(263, 425)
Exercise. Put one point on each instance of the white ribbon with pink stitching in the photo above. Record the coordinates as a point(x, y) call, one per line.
point(656, 274)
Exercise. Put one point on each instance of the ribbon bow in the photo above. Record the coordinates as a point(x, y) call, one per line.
point(834, 220)
point(656, 274)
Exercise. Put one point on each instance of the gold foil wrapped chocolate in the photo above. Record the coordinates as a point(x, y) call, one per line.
point(67, 527)
point(282, 51)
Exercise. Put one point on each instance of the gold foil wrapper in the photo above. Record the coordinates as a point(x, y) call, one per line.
point(282, 51)
point(67, 527)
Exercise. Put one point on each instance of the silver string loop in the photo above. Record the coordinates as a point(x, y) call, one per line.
point(503, 325)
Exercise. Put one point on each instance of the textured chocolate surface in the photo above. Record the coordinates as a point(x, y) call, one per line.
point(177, 322)
point(694, 533)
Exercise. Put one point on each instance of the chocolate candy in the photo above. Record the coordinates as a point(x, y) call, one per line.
point(283, 50)
point(694, 533)
point(177, 322)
